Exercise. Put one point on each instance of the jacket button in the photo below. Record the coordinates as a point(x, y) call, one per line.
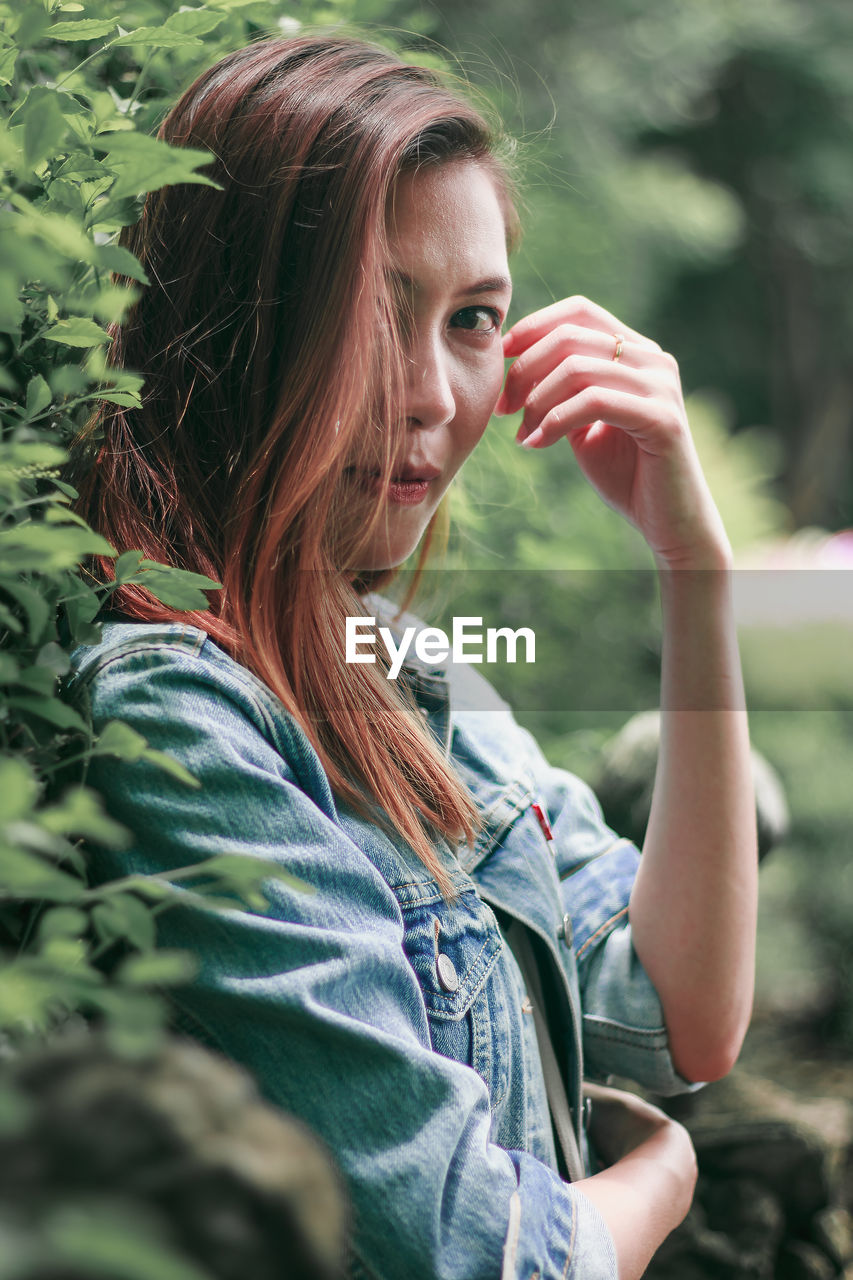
point(447, 975)
point(565, 930)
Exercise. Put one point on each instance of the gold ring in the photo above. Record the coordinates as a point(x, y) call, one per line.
point(619, 339)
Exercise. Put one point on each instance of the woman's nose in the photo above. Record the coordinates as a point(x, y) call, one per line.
point(430, 401)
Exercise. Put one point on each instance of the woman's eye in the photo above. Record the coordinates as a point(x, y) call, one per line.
point(477, 319)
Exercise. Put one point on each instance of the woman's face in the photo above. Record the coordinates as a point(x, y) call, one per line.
point(447, 242)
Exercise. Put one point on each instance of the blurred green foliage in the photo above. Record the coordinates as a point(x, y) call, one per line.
point(688, 166)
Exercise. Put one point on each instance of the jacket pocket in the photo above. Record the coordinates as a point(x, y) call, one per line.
point(454, 951)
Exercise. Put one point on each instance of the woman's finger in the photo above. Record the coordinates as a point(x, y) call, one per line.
point(651, 420)
point(579, 373)
point(578, 311)
point(575, 349)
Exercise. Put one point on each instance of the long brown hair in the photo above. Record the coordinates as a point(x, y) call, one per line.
point(273, 361)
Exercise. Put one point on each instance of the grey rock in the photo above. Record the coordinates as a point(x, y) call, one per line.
point(625, 774)
point(801, 1261)
point(832, 1232)
point(180, 1142)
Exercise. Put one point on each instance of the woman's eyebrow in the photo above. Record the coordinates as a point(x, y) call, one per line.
point(490, 284)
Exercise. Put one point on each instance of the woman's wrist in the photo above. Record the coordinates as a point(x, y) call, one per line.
point(715, 553)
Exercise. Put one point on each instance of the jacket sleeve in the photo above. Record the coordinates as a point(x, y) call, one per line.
point(624, 1031)
point(316, 998)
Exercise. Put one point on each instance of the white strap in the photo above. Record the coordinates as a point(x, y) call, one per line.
point(558, 1102)
point(511, 1242)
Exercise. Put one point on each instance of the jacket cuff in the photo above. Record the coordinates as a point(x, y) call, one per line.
point(554, 1230)
point(624, 1031)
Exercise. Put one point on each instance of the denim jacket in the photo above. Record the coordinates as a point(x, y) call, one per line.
point(396, 1026)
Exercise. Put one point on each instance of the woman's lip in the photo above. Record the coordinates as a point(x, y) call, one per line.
point(405, 490)
point(418, 472)
point(407, 493)
point(421, 475)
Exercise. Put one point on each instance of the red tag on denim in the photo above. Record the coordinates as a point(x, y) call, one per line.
point(542, 819)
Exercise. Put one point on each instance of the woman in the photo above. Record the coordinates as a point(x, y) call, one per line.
point(322, 348)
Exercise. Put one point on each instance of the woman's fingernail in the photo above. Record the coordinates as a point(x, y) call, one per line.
point(535, 437)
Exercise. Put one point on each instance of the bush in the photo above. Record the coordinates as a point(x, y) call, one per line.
point(81, 95)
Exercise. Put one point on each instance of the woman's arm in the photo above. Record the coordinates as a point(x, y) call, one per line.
point(694, 903)
point(695, 894)
point(647, 1189)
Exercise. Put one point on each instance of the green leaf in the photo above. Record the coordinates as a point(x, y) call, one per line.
point(37, 680)
point(31, 24)
point(124, 399)
point(122, 915)
point(78, 331)
point(45, 125)
point(83, 29)
point(51, 709)
point(127, 565)
point(8, 59)
point(243, 874)
point(64, 953)
point(110, 304)
point(176, 588)
point(59, 513)
point(54, 658)
point(135, 1028)
point(81, 165)
point(59, 233)
point(80, 610)
point(41, 548)
point(34, 455)
point(196, 22)
point(118, 739)
point(9, 669)
point(25, 996)
point(142, 163)
point(62, 922)
point(34, 604)
point(157, 38)
point(12, 316)
point(114, 257)
point(28, 835)
point(80, 813)
point(164, 967)
point(23, 875)
point(172, 766)
point(9, 621)
point(19, 791)
point(39, 395)
point(117, 379)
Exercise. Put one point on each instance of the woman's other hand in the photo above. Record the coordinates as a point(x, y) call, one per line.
point(625, 420)
point(621, 1121)
point(648, 1187)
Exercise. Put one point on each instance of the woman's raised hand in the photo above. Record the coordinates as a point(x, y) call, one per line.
point(581, 373)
